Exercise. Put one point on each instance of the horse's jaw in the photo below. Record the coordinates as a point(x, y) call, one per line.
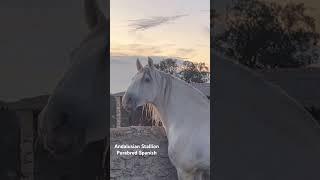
point(132, 105)
point(69, 151)
point(131, 109)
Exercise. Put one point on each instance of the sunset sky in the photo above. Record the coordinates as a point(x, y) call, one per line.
point(57, 27)
point(166, 28)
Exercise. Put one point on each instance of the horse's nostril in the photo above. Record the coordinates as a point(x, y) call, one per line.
point(129, 99)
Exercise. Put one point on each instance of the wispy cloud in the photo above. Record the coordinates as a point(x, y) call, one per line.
point(185, 51)
point(136, 49)
point(145, 24)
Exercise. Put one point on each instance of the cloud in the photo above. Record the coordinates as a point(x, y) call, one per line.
point(184, 53)
point(185, 50)
point(136, 49)
point(145, 24)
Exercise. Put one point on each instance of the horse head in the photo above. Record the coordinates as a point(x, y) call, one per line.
point(75, 114)
point(144, 87)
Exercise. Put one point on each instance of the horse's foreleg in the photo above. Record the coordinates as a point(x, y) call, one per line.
point(199, 176)
point(182, 175)
point(202, 175)
point(206, 175)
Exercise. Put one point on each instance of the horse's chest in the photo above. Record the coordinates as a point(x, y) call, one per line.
point(185, 155)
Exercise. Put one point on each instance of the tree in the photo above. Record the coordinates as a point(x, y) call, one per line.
point(194, 72)
point(188, 71)
point(168, 66)
point(263, 34)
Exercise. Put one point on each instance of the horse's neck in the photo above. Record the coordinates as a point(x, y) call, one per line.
point(87, 64)
point(183, 101)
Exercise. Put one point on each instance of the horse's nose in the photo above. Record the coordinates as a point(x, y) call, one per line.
point(128, 101)
point(126, 98)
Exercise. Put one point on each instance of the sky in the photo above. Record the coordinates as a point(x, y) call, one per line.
point(32, 61)
point(168, 28)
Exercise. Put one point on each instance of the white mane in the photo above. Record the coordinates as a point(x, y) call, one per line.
point(166, 80)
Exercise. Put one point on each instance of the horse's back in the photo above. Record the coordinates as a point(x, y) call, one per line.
point(259, 132)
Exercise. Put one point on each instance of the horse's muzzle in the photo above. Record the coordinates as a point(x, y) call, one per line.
point(129, 102)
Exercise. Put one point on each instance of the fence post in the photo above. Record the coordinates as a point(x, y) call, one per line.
point(118, 111)
point(26, 144)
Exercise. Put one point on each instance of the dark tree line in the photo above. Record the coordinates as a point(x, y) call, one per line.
point(187, 71)
point(262, 34)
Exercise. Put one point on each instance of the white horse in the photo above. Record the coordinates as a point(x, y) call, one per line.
point(75, 114)
point(184, 112)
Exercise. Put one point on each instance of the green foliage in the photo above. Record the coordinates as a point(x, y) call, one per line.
point(263, 34)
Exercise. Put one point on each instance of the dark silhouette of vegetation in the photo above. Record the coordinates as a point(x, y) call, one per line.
point(187, 71)
point(194, 72)
point(168, 66)
point(262, 34)
point(213, 16)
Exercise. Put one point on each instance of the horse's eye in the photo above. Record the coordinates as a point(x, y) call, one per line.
point(147, 79)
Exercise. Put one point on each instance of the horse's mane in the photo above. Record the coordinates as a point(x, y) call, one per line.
point(165, 81)
point(170, 78)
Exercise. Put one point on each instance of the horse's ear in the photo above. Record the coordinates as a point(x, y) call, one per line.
point(139, 66)
point(150, 62)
